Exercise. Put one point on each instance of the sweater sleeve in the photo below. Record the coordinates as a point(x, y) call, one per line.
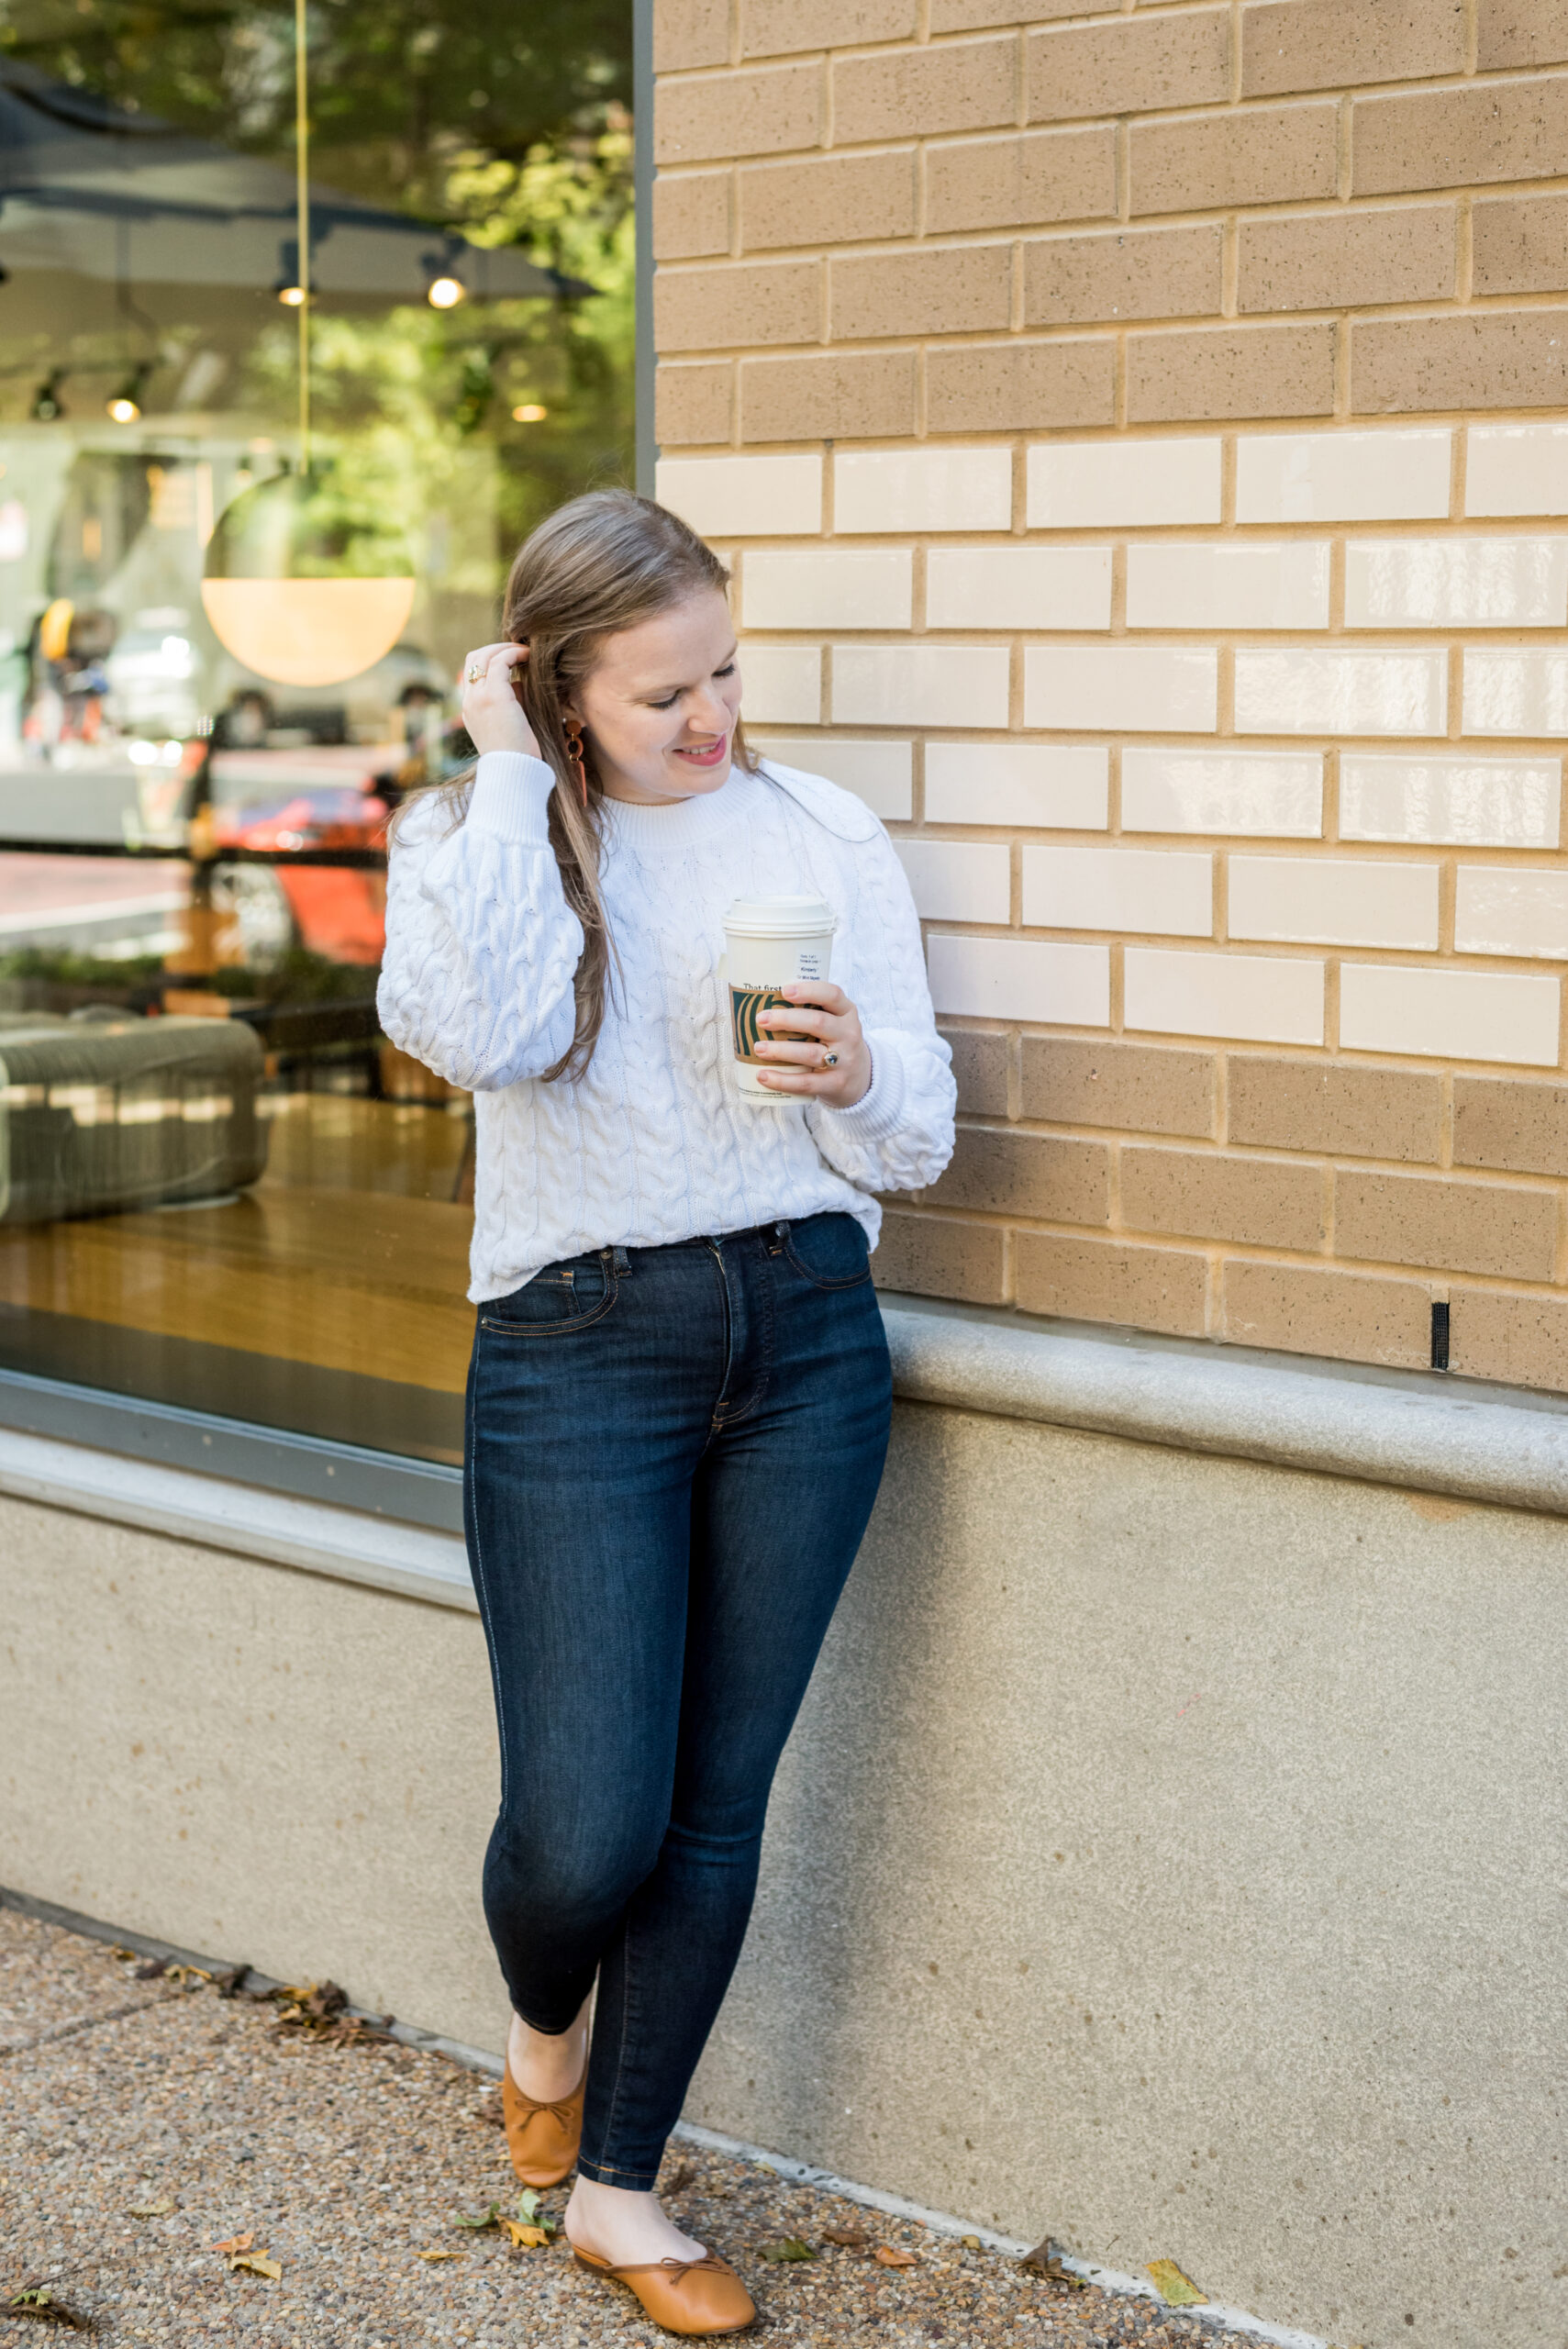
point(899, 1135)
point(482, 947)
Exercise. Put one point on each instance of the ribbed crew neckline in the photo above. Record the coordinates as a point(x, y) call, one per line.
point(681, 823)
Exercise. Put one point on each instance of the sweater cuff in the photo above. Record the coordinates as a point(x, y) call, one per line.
point(880, 1111)
point(511, 793)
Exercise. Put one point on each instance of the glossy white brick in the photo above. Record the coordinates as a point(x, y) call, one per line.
point(881, 773)
point(1163, 893)
point(743, 498)
point(1342, 477)
point(1507, 910)
point(1024, 587)
point(1449, 1015)
point(1331, 901)
point(1456, 583)
point(1064, 786)
point(1261, 793)
point(1476, 802)
point(920, 684)
point(836, 587)
point(1037, 980)
point(1257, 998)
point(1121, 689)
point(1309, 692)
point(1517, 469)
point(1103, 484)
point(1516, 693)
point(923, 489)
point(782, 684)
point(959, 880)
point(1244, 584)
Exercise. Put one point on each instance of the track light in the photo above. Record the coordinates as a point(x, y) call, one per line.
point(124, 407)
point(47, 407)
point(292, 296)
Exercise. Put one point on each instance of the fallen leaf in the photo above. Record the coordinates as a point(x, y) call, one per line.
point(490, 2218)
point(235, 2243)
point(229, 1985)
point(791, 2248)
point(125, 1955)
point(528, 2210)
point(525, 2237)
point(151, 1969)
point(1178, 2291)
point(1045, 2259)
point(258, 2264)
point(892, 2254)
point(159, 2210)
point(972, 2243)
point(681, 2180)
point(37, 2301)
point(440, 2255)
point(851, 2238)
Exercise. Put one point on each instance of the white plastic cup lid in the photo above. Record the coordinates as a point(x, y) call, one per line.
point(780, 917)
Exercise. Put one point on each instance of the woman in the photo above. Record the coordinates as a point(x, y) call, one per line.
point(678, 1402)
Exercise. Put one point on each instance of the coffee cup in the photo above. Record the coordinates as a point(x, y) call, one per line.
point(773, 943)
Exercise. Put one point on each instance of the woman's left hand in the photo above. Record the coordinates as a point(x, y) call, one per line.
point(834, 1065)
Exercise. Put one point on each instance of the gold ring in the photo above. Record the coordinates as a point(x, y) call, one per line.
point(829, 1060)
point(475, 673)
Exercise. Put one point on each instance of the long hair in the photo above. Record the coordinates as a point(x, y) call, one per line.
point(597, 565)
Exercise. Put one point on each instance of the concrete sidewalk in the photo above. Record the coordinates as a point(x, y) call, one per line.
point(146, 2118)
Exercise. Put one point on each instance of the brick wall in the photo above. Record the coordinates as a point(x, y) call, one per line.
point(1141, 436)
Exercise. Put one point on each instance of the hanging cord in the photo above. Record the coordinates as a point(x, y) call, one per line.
point(302, 224)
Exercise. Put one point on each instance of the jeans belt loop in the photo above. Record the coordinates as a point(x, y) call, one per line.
point(619, 1260)
point(780, 1235)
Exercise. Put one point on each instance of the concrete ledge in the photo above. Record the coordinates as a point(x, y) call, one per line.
point(347, 1543)
point(1513, 1451)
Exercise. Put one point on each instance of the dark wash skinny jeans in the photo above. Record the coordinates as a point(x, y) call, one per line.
point(673, 1453)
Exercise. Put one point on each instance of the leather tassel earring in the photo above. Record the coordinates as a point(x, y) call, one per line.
point(573, 729)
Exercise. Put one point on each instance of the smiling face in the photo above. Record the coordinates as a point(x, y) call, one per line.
point(660, 701)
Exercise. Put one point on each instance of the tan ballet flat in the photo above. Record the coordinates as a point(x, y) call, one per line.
point(542, 2139)
point(694, 2297)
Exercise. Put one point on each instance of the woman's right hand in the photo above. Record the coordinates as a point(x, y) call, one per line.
point(491, 710)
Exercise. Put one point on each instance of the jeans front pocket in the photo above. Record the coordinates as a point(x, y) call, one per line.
point(558, 1301)
point(828, 1250)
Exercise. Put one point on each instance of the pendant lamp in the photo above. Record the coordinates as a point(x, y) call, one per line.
point(302, 583)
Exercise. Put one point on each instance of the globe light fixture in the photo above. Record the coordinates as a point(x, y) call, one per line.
point(303, 584)
point(446, 293)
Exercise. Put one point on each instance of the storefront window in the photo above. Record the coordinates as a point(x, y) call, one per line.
point(238, 567)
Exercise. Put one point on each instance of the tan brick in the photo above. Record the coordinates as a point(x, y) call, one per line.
point(1491, 131)
point(951, 289)
point(1522, 33)
point(738, 113)
point(694, 404)
point(1020, 386)
point(961, 86)
point(823, 202)
point(842, 396)
point(1214, 372)
point(690, 32)
point(1019, 183)
point(980, 1057)
point(1106, 1280)
point(1210, 1194)
point(1350, 1316)
point(775, 301)
point(1496, 359)
point(1128, 67)
point(1335, 44)
point(1128, 273)
point(971, 16)
point(1267, 155)
point(769, 28)
point(1451, 1226)
point(1006, 1172)
point(1335, 261)
point(1509, 1123)
point(1340, 1112)
point(1522, 1340)
point(691, 215)
point(1520, 245)
point(1135, 1088)
point(938, 1255)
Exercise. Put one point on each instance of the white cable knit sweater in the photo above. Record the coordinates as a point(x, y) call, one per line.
point(655, 1143)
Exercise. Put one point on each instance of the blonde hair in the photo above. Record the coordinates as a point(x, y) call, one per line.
point(599, 564)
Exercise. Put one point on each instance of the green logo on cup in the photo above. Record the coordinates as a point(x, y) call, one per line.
point(746, 1007)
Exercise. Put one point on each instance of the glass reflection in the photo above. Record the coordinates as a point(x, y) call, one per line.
point(219, 1186)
